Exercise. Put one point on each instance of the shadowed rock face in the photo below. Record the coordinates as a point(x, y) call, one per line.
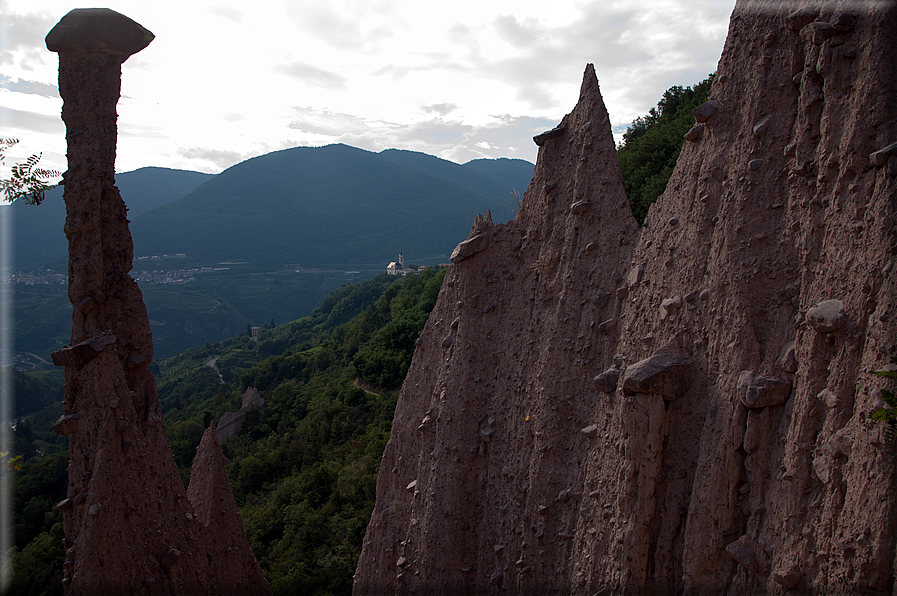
point(129, 524)
point(529, 478)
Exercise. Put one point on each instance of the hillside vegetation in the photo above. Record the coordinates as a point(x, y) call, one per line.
point(653, 142)
point(304, 471)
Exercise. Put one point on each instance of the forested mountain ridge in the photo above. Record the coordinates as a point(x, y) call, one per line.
point(284, 194)
point(331, 204)
point(40, 241)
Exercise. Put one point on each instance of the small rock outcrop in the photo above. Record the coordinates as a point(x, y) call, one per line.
point(827, 316)
point(130, 527)
point(756, 391)
point(229, 423)
point(768, 264)
point(664, 374)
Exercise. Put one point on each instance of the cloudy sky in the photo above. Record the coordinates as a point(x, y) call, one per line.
point(224, 80)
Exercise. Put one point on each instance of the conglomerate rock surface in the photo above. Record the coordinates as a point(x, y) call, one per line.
point(529, 454)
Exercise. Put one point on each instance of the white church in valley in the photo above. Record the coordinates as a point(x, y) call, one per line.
point(398, 267)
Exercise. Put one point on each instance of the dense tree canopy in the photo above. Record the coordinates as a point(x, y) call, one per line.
point(652, 144)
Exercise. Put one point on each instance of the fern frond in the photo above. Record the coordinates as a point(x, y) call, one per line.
point(883, 415)
point(891, 432)
point(889, 398)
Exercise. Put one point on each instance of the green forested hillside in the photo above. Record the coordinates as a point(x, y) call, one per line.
point(303, 473)
point(652, 144)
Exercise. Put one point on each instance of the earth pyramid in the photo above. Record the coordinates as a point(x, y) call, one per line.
point(601, 407)
point(130, 527)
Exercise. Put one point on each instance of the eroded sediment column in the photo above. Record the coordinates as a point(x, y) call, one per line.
point(129, 524)
point(92, 45)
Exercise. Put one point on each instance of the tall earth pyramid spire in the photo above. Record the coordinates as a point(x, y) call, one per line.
point(129, 525)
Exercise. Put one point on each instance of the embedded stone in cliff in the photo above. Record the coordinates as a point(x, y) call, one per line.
point(607, 381)
point(822, 466)
point(788, 579)
point(788, 358)
point(756, 391)
point(670, 305)
point(880, 157)
point(820, 31)
point(800, 18)
point(761, 127)
point(590, 430)
point(554, 133)
point(78, 355)
point(827, 316)
point(695, 132)
point(744, 554)
point(829, 398)
point(607, 326)
point(580, 206)
point(706, 110)
point(91, 29)
point(469, 247)
point(666, 374)
point(844, 22)
point(635, 275)
point(66, 425)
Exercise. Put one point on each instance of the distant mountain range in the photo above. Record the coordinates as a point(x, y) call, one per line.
point(311, 207)
point(336, 204)
point(308, 206)
point(39, 239)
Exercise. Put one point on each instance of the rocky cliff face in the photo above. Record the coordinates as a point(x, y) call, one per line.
point(598, 407)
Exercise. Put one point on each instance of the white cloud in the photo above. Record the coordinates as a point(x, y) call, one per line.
point(221, 158)
point(30, 121)
point(376, 73)
point(354, 25)
point(443, 109)
point(227, 12)
point(22, 32)
point(327, 123)
point(28, 87)
point(314, 75)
